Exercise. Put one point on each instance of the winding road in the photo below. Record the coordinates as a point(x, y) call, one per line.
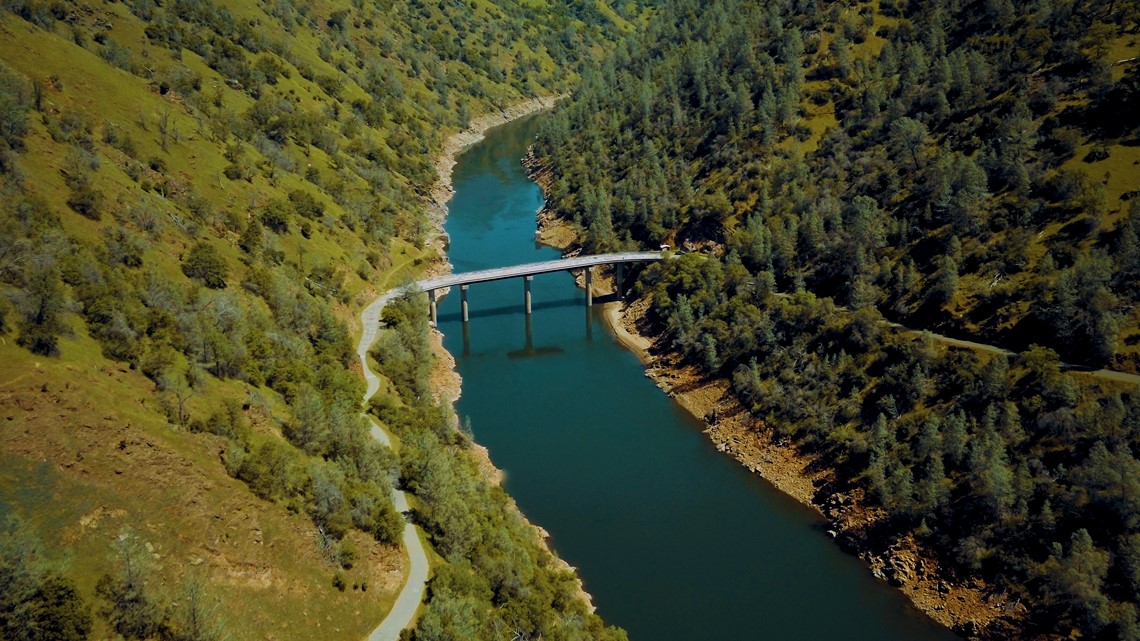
point(412, 594)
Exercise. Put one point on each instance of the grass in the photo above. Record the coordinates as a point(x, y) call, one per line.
point(79, 465)
point(86, 448)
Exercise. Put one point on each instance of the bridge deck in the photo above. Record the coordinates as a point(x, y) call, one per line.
point(529, 269)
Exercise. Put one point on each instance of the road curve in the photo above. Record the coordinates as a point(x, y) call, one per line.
point(412, 594)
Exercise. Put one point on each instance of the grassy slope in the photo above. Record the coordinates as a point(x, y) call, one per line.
point(85, 447)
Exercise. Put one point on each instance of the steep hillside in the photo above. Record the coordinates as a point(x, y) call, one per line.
point(195, 200)
point(968, 168)
point(854, 150)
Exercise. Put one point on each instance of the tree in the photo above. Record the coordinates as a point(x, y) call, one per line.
point(130, 608)
point(36, 604)
point(196, 616)
point(275, 216)
point(910, 137)
point(41, 304)
point(203, 263)
point(252, 237)
point(13, 110)
point(945, 284)
point(1112, 480)
point(1076, 579)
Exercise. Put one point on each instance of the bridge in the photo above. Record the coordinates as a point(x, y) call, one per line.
point(527, 273)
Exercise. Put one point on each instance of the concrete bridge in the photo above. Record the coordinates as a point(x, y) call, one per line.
point(527, 272)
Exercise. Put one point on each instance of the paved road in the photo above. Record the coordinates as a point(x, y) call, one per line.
point(412, 594)
point(500, 273)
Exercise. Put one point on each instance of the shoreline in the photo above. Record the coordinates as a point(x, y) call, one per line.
point(440, 193)
point(966, 608)
point(446, 383)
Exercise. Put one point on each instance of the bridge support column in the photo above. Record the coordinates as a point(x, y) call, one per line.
point(526, 292)
point(589, 287)
point(463, 301)
point(619, 272)
point(433, 307)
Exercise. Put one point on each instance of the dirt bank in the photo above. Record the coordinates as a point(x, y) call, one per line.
point(967, 607)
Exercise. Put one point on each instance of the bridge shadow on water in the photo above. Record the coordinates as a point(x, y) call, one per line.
point(506, 310)
point(529, 349)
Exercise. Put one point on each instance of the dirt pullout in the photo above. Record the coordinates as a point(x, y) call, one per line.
point(970, 608)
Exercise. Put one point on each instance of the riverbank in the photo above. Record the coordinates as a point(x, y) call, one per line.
point(442, 191)
point(967, 607)
point(446, 383)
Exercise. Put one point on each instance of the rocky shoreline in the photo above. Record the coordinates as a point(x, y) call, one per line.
point(967, 607)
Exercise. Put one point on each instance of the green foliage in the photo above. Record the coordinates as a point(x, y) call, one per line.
point(41, 305)
point(14, 104)
point(497, 576)
point(933, 138)
point(129, 603)
point(205, 264)
point(926, 199)
point(36, 604)
point(361, 128)
point(275, 216)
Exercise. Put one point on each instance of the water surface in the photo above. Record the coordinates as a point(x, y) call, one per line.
point(674, 540)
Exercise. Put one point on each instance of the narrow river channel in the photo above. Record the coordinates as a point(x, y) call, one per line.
point(673, 540)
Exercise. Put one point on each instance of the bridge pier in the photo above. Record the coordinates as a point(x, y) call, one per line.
point(463, 302)
point(526, 292)
point(589, 287)
point(619, 271)
point(433, 307)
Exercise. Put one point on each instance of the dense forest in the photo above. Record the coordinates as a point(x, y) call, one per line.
point(195, 199)
point(966, 168)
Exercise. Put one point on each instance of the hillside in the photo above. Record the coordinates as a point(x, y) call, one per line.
point(196, 199)
point(965, 168)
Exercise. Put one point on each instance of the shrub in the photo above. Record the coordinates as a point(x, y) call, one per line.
point(204, 264)
point(86, 201)
point(275, 216)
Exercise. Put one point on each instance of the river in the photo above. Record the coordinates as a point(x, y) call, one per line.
point(672, 539)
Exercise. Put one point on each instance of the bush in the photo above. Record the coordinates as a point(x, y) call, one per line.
point(204, 264)
point(275, 216)
point(86, 201)
point(305, 204)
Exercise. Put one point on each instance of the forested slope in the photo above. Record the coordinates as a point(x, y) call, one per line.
point(963, 167)
point(195, 197)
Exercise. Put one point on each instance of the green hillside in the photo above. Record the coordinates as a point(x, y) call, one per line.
point(196, 199)
point(967, 168)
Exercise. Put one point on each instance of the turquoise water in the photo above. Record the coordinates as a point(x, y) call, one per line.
point(672, 539)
